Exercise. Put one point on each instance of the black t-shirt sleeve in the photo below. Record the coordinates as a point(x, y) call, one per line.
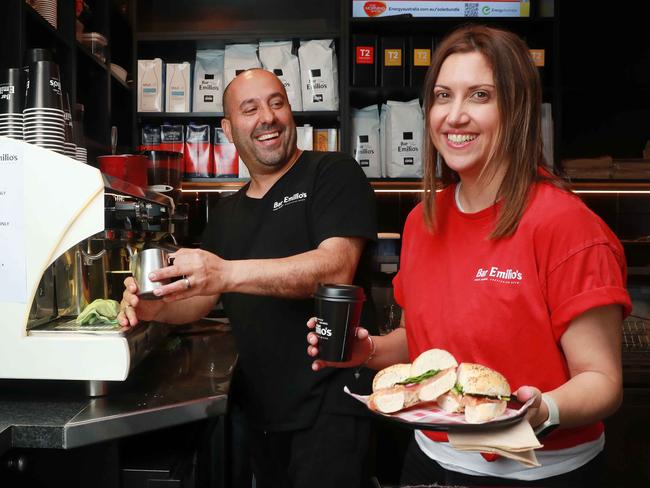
point(343, 203)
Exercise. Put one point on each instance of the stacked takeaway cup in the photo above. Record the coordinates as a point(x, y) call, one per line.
point(78, 133)
point(44, 121)
point(46, 8)
point(12, 99)
point(69, 145)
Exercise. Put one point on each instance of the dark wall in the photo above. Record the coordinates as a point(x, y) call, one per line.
point(605, 59)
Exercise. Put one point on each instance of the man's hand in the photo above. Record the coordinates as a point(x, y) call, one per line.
point(132, 309)
point(197, 273)
point(361, 349)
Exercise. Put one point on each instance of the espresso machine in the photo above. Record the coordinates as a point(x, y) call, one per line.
point(67, 245)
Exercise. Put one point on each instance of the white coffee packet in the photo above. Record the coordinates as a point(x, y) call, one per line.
point(366, 147)
point(319, 75)
point(403, 128)
point(238, 58)
point(243, 170)
point(277, 58)
point(150, 85)
point(208, 81)
point(384, 136)
point(178, 86)
point(305, 137)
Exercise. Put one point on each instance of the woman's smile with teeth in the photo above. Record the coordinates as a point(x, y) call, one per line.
point(460, 138)
point(266, 137)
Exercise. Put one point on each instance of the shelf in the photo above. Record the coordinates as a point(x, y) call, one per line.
point(180, 115)
point(410, 185)
point(300, 117)
point(45, 25)
point(611, 186)
point(213, 184)
point(121, 83)
point(91, 57)
point(236, 35)
point(375, 94)
point(234, 184)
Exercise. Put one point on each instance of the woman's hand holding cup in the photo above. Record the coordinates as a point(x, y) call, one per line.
point(361, 348)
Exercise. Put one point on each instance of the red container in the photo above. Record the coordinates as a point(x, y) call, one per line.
point(127, 167)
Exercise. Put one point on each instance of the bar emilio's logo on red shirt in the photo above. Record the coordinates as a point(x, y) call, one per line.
point(373, 9)
point(507, 276)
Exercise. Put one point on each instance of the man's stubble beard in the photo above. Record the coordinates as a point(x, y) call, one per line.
point(277, 158)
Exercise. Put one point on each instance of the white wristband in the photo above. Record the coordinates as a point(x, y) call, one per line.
point(553, 419)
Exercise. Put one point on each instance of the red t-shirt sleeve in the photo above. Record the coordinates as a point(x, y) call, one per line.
point(589, 277)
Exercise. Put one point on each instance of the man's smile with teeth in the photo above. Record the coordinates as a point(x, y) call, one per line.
point(458, 138)
point(266, 137)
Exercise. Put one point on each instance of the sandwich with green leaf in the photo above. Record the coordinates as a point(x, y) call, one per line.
point(401, 386)
point(481, 392)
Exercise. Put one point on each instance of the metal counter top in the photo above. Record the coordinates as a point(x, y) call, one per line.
point(187, 379)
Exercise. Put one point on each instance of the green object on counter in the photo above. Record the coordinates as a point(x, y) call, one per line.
point(99, 311)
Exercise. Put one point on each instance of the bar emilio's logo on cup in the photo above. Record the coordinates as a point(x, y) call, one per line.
point(321, 328)
point(289, 200)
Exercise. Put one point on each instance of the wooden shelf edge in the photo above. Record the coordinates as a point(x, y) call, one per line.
point(411, 185)
point(119, 81)
point(91, 57)
point(611, 186)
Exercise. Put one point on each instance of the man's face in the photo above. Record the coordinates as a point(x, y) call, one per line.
point(259, 121)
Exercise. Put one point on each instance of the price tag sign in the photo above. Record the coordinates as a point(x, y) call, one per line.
point(13, 271)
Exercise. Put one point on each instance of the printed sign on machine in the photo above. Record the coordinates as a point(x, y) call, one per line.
point(13, 280)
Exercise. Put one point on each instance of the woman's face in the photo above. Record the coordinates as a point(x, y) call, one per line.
point(464, 117)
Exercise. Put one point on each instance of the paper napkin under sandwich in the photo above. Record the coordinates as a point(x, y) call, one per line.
point(516, 441)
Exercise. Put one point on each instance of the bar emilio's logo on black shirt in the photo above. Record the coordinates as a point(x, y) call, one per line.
point(289, 200)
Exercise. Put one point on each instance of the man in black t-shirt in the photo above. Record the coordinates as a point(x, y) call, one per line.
point(304, 218)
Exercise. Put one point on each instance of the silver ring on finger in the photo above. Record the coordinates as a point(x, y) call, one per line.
point(188, 285)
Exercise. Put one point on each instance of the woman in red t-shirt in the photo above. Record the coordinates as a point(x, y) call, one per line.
point(552, 326)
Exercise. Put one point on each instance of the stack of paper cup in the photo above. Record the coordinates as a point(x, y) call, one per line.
point(46, 9)
point(12, 98)
point(44, 122)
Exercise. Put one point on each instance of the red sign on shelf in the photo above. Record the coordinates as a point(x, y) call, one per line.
point(365, 55)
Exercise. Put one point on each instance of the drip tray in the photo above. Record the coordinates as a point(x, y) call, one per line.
point(68, 325)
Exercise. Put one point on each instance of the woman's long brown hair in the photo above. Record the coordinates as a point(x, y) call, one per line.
point(519, 141)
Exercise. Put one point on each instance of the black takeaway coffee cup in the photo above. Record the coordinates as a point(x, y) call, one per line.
point(338, 310)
